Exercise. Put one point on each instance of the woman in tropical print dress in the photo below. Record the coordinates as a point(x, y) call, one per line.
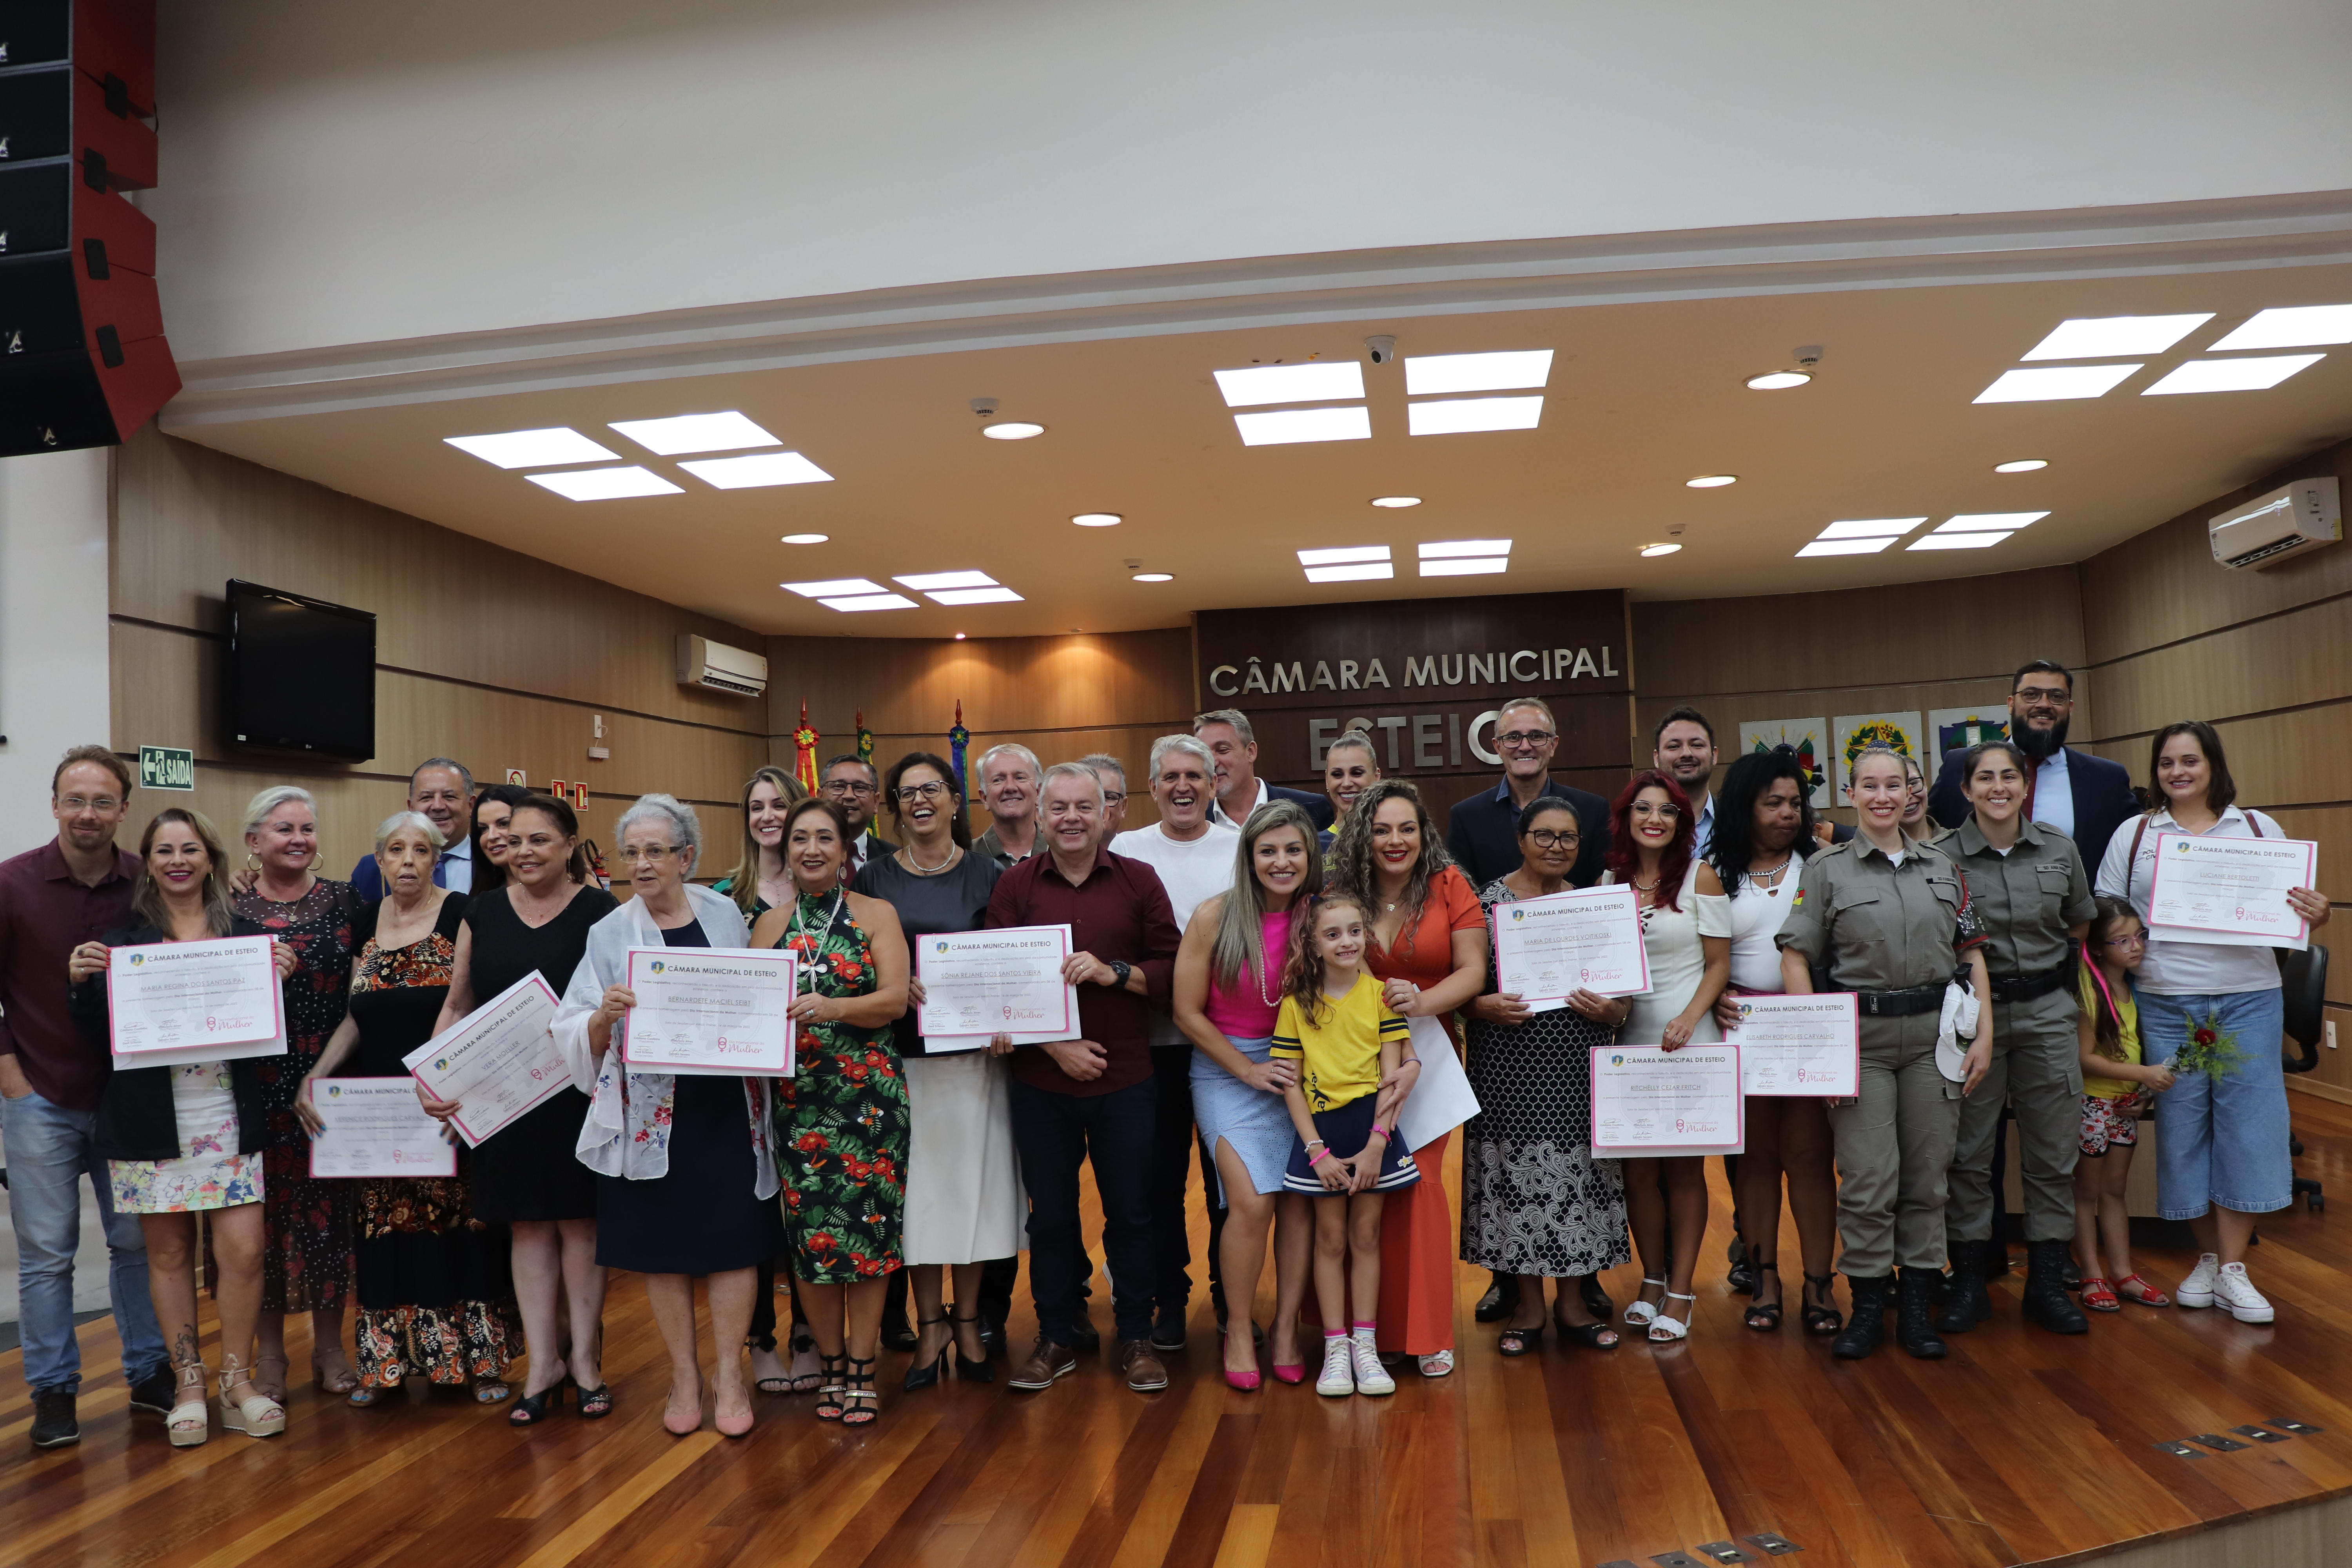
point(842, 1120)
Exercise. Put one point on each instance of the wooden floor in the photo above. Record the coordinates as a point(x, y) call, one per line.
point(2022, 1447)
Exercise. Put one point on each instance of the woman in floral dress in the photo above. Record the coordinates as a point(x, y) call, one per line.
point(842, 1121)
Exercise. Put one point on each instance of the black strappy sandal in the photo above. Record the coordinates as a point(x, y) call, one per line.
point(532, 1408)
point(829, 1396)
point(861, 1388)
point(596, 1403)
point(1764, 1317)
point(919, 1377)
point(972, 1371)
point(1821, 1320)
point(1516, 1340)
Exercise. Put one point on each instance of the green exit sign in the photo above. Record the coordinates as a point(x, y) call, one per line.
point(166, 767)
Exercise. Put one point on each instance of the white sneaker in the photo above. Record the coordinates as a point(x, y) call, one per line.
point(2233, 1289)
point(1338, 1367)
point(2197, 1291)
point(1372, 1377)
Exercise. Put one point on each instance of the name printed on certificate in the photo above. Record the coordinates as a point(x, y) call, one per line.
point(2232, 891)
point(374, 1127)
point(499, 1060)
point(172, 1003)
point(981, 984)
point(1649, 1101)
point(712, 1011)
point(1798, 1044)
point(1587, 939)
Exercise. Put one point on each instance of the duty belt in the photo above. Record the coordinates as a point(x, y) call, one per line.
point(1898, 1003)
point(2026, 987)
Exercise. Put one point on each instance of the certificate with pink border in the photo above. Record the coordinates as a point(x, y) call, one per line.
point(2230, 892)
point(1798, 1044)
point(1586, 939)
point(1006, 980)
point(500, 1062)
point(172, 1003)
point(1648, 1101)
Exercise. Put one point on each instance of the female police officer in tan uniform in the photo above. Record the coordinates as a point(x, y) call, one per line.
point(1888, 919)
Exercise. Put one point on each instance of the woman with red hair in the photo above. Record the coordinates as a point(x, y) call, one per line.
point(1687, 935)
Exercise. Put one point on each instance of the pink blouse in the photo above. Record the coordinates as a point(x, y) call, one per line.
point(1242, 1012)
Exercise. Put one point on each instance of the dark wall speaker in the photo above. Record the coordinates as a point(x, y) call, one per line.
point(83, 362)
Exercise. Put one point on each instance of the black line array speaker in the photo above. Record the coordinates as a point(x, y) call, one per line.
point(83, 362)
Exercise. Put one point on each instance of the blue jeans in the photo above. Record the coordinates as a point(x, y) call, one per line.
point(48, 1153)
point(1056, 1133)
point(2220, 1140)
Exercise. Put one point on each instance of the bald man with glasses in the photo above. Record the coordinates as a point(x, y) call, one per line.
point(1483, 832)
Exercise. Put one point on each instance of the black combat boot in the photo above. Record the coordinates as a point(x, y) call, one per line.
point(1866, 1330)
point(1915, 1321)
point(1966, 1302)
point(2046, 1302)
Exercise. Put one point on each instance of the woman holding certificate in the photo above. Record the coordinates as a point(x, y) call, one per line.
point(184, 1140)
point(1535, 1203)
point(841, 1119)
point(436, 1294)
point(686, 1180)
point(965, 1205)
point(1887, 918)
point(526, 1174)
point(2212, 1012)
point(1429, 951)
point(307, 1265)
point(1687, 936)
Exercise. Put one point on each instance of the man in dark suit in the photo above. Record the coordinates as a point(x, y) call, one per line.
point(2082, 796)
point(1483, 832)
point(1226, 732)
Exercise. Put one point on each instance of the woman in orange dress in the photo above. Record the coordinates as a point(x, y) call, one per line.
point(1429, 951)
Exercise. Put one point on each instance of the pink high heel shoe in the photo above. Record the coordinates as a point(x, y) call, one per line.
point(1248, 1382)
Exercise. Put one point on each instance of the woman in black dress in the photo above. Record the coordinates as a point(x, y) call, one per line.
point(436, 1298)
point(527, 1175)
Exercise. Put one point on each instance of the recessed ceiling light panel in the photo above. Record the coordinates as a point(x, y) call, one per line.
point(1396, 501)
point(1778, 381)
point(2232, 375)
point(1444, 549)
point(2056, 385)
point(2102, 337)
point(806, 537)
point(1097, 520)
point(757, 473)
point(1464, 567)
point(2291, 327)
point(2022, 466)
point(1871, 527)
point(532, 448)
point(993, 596)
point(931, 582)
point(871, 602)
point(605, 484)
point(834, 588)
point(1711, 481)
point(1942, 540)
point(1363, 572)
point(1511, 371)
point(728, 432)
point(1011, 430)
point(1317, 382)
point(1462, 416)
point(1155, 576)
point(1663, 548)
point(1988, 522)
point(1343, 555)
point(1845, 547)
point(1294, 425)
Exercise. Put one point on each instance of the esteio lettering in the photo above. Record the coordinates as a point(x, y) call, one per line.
point(1498, 669)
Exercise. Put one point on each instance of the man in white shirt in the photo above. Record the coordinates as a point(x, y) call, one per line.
point(1683, 748)
point(851, 783)
point(442, 791)
point(1194, 857)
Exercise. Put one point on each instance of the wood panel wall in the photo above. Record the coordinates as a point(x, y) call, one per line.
point(2266, 656)
point(497, 658)
point(1062, 697)
point(1915, 646)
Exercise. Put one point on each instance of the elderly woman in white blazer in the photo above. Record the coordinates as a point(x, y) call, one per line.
point(687, 1179)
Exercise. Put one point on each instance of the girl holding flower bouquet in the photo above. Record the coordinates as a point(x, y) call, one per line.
point(2116, 1087)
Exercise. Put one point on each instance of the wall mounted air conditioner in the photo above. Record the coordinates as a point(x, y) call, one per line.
point(2289, 521)
point(715, 666)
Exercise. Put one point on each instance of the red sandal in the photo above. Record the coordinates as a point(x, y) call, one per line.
point(2132, 1288)
point(2099, 1296)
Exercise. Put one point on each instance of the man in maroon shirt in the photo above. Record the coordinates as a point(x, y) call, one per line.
point(1095, 1096)
point(73, 889)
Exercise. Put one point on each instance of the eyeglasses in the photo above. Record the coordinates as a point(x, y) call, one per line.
point(2137, 938)
point(1524, 740)
point(89, 803)
point(1545, 839)
point(909, 793)
point(651, 854)
point(848, 786)
point(1114, 797)
point(2057, 696)
point(1662, 809)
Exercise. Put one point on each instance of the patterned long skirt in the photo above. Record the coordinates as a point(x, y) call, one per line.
point(842, 1151)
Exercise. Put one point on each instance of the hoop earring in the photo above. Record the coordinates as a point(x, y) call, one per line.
point(252, 861)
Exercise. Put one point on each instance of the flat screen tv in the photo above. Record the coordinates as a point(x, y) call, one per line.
point(301, 675)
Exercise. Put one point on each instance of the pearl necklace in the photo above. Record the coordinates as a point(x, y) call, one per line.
point(919, 869)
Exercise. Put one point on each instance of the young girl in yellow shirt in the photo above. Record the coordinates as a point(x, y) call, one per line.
point(2115, 1086)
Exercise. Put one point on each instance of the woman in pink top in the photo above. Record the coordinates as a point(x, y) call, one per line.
point(1228, 988)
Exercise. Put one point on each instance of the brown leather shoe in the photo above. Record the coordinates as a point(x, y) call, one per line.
point(1141, 1364)
point(1047, 1363)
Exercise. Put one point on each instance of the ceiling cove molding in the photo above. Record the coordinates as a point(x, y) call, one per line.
point(2235, 235)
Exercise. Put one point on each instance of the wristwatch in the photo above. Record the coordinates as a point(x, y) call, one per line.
point(1120, 971)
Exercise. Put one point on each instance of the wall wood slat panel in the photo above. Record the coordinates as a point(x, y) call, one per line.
point(2162, 585)
point(909, 685)
point(2291, 759)
point(2291, 660)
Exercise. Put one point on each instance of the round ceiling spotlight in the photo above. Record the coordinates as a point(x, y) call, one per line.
point(1099, 520)
point(1011, 430)
point(1155, 576)
point(1778, 381)
point(2022, 466)
point(1712, 481)
point(1396, 500)
point(1655, 550)
point(806, 537)
point(959, 637)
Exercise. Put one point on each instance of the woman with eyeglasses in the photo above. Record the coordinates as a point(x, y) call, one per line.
point(1916, 824)
point(965, 1204)
point(686, 1176)
point(1536, 1204)
point(2221, 1155)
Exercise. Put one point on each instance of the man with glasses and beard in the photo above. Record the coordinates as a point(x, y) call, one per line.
point(1483, 832)
point(2082, 796)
